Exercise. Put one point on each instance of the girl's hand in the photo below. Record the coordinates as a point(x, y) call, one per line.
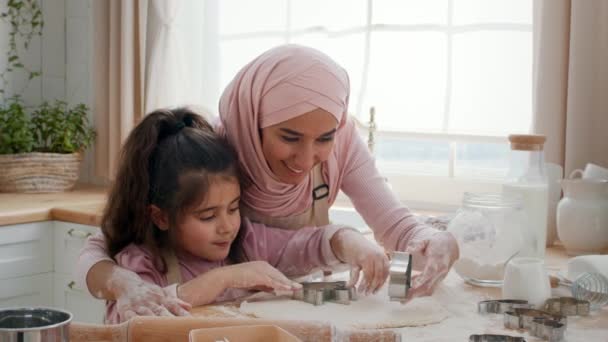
point(436, 255)
point(363, 255)
point(139, 298)
point(258, 275)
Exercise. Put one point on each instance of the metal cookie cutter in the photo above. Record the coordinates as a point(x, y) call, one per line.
point(567, 306)
point(501, 306)
point(538, 323)
point(400, 276)
point(495, 338)
point(523, 318)
point(547, 329)
point(317, 293)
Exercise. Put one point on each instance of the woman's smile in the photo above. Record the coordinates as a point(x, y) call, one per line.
point(295, 170)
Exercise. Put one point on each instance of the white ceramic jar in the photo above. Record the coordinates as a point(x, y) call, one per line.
point(582, 216)
point(527, 279)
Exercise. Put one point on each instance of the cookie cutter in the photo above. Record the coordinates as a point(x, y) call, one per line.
point(523, 318)
point(567, 306)
point(537, 322)
point(400, 275)
point(548, 329)
point(500, 306)
point(317, 293)
point(495, 338)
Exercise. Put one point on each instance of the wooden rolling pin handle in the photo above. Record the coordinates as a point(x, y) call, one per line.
point(169, 329)
point(81, 332)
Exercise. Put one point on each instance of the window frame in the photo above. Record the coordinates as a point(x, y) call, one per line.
point(408, 187)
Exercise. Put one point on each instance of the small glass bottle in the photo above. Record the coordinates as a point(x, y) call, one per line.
point(527, 178)
point(489, 229)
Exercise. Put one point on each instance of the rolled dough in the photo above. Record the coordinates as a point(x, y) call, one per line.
point(371, 312)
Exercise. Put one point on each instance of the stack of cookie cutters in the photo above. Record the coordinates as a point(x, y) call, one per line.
point(317, 293)
point(400, 276)
point(549, 324)
point(538, 323)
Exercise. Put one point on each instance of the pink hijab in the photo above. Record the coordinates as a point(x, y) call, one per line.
point(281, 84)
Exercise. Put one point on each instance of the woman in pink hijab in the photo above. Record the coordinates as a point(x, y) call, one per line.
point(286, 115)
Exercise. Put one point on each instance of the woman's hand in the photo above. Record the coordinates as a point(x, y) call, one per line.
point(436, 255)
point(258, 275)
point(135, 297)
point(364, 255)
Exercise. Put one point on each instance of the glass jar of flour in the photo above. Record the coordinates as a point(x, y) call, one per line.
point(490, 230)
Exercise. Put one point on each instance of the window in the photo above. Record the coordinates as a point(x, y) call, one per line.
point(449, 79)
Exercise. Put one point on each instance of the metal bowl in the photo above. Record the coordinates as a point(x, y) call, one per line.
point(34, 324)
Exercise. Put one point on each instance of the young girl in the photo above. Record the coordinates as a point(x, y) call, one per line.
point(173, 218)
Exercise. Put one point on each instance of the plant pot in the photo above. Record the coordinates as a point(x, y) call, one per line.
point(38, 172)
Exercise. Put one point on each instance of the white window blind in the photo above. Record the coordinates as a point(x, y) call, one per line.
point(449, 79)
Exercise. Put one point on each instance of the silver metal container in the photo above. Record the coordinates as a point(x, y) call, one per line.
point(34, 325)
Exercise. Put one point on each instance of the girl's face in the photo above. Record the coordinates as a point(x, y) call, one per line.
point(293, 147)
point(207, 231)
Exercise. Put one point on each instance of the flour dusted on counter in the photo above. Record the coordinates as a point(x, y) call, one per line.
point(371, 312)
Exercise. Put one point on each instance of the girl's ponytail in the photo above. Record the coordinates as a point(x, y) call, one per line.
point(126, 219)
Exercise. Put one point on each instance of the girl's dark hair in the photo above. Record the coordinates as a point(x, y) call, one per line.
point(167, 160)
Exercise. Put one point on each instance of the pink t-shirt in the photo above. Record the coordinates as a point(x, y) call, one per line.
point(293, 252)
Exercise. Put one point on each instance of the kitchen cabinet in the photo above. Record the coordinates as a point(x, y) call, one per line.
point(68, 240)
point(69, 296)
point(26, 249)
point(37, 263)
point(35, 290)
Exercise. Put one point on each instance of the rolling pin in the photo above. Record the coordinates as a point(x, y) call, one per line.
point(169, 329)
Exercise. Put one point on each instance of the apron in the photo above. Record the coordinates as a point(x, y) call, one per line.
point(317, 215)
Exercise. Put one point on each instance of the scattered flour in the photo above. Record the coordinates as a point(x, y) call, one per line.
point(371, 312)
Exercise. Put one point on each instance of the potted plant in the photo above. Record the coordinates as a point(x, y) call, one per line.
point(42, 152)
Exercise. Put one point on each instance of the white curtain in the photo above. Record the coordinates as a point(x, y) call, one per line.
point(165, 71)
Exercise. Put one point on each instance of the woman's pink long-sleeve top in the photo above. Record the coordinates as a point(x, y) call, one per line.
point(293, 252)
point(393, 224)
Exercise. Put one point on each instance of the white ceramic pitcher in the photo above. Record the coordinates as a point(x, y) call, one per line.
point(582, 216)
